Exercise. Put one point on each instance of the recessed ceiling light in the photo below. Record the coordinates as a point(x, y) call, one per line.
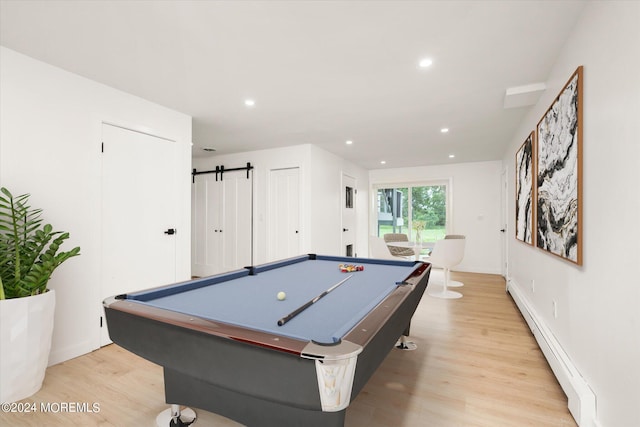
point(383, 162)
point(249, 102)
point(451, 156)
point(444, 130)
point(425, 62)
point(349, 142)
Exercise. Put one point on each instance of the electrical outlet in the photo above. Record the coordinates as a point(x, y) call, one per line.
point(555, 309)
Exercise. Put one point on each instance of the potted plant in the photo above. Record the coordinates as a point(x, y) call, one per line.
point(29, 253)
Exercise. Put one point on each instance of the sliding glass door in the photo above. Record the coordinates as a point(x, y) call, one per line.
point(428, 213)
point(392, 210)
point(419, 211)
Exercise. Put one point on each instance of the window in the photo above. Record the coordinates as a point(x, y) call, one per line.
point(348, 203)
point(390, 210)
point(420, 211)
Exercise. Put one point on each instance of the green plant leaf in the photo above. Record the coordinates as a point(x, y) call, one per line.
point(29, 251)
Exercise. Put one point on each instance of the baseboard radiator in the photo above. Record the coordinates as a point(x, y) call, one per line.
point(581, 399)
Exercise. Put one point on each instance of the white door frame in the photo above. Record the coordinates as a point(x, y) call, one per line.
point(349, 215)
point(504, 220)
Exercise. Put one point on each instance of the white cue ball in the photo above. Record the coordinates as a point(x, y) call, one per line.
point(281, 295)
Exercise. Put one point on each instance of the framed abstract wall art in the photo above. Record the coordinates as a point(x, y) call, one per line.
point(524, 190)
point(559, 174)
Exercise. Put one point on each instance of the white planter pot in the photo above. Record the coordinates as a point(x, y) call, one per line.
point(26, 327)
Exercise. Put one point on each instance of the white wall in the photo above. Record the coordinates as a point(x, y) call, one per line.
point(598, 321)
point(326, 202)
point(475, 206)
point(320, 176)
point(50, 127)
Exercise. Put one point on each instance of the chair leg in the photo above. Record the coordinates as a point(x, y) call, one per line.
point(455, 283)
point(444, 292)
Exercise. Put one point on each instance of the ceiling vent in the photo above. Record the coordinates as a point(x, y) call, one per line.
point(523, 96)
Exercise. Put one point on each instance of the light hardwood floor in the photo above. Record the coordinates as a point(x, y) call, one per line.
point(477, 365)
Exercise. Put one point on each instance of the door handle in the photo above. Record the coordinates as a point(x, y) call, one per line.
point(502, 230)
point(170, 231)
point(345, 229)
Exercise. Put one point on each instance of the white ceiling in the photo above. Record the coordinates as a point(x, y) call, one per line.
point(320, 72)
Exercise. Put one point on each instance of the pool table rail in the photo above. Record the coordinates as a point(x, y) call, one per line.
point(199, 324)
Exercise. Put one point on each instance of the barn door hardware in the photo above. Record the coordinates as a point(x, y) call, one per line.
point(220, 170)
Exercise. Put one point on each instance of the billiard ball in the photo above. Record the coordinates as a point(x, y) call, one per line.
point(350, 268)
point(281, 295)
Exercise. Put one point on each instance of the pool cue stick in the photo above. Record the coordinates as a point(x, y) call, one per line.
point(299, 310)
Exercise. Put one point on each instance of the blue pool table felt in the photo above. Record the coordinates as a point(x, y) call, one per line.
point(250, 301)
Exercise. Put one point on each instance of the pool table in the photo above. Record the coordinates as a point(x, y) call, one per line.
point(222, 350)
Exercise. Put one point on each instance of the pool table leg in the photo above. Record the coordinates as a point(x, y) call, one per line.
point(403, 344)
point(176, 417)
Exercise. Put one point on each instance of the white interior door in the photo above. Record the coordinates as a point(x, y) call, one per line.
point(284, 213)
point(140, 176)
point(214, 192)
point(222, 222)
point(199, 226)
point(348, 204)
point(237, 220)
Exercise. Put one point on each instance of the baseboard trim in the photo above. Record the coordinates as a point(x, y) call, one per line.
point(581, 399)
point(70, 352)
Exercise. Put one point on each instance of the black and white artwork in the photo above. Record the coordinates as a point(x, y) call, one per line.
point(524, 191)
point(558, 184)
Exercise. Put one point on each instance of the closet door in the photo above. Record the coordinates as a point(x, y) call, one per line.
point(284, 213)
point(199, 227)
point(213, 233)
point(222, 223)
point(206, 226)
point(236, 220)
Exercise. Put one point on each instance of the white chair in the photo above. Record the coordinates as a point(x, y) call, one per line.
point(395, 250)
point(446, 253)
point(379, 249)
point(454, 236)
point(455, 283)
